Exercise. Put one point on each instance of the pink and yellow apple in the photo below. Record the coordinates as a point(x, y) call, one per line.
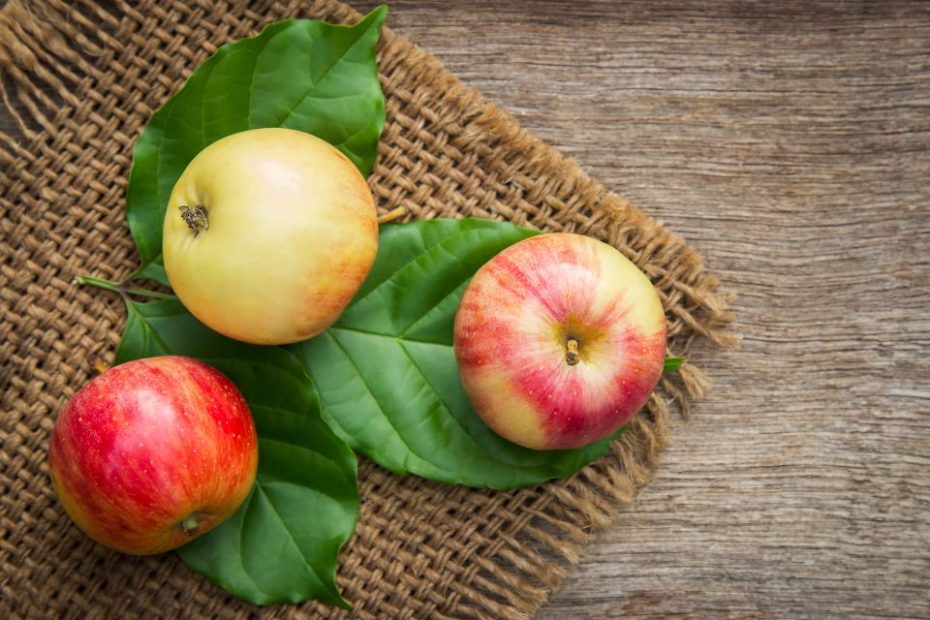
point(268, 235)
point(153, 453)
point(559, 340)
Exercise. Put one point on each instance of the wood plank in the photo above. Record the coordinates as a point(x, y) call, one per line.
point(790, 143)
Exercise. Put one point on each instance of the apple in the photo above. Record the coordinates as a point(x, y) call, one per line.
point(559, 341)
point(268, 235)
point(153, 453)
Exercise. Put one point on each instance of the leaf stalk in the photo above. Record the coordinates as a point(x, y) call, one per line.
point(123, 289)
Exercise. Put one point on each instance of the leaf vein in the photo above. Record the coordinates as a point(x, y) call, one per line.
point(241, 555)
point(386, 417)
point(326, 72)
point(458, 422)
point(290, 537)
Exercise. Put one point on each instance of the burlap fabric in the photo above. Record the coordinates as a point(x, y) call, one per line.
point(81, 80)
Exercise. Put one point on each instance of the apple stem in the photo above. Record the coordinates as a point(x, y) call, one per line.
point(571, 351)
point(189, 525)
point(196, 218)
point(122, 289)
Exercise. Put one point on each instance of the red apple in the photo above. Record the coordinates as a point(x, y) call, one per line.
point(559, 340)
point(153, 453)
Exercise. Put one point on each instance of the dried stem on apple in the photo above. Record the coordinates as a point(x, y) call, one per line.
point(571, 351)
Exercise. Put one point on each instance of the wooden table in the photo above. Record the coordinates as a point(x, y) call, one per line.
point(790, 143)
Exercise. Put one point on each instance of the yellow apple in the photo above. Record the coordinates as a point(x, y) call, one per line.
point(268, 235)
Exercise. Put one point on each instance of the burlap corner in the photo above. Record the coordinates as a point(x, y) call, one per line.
point(81, 79)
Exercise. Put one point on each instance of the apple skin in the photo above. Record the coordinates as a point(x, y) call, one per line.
point(291, 234)
point(153, 453)
point(512, 332)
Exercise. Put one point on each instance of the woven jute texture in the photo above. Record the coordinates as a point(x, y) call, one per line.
point(81, 80)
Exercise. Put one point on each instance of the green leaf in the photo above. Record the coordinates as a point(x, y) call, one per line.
point(672, 364)
point(387, 375)
point(302, 74)
point(283, 543)
point(152, 271)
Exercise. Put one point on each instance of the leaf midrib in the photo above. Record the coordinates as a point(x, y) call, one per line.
point(461, 425)
point(293, 542)
point(131, 307)
point(378, 403)
point(475, 230)
point(241, 555)
point(309, 93)
point(493, 457)
point(336, 464)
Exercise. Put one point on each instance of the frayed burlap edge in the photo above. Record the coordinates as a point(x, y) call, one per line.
point(47, 55)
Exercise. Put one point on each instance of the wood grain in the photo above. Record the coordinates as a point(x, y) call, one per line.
point(790, 143)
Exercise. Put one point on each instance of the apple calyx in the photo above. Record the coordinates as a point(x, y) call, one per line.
point(571, 351)
point(189, 525)
point(196, 218)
